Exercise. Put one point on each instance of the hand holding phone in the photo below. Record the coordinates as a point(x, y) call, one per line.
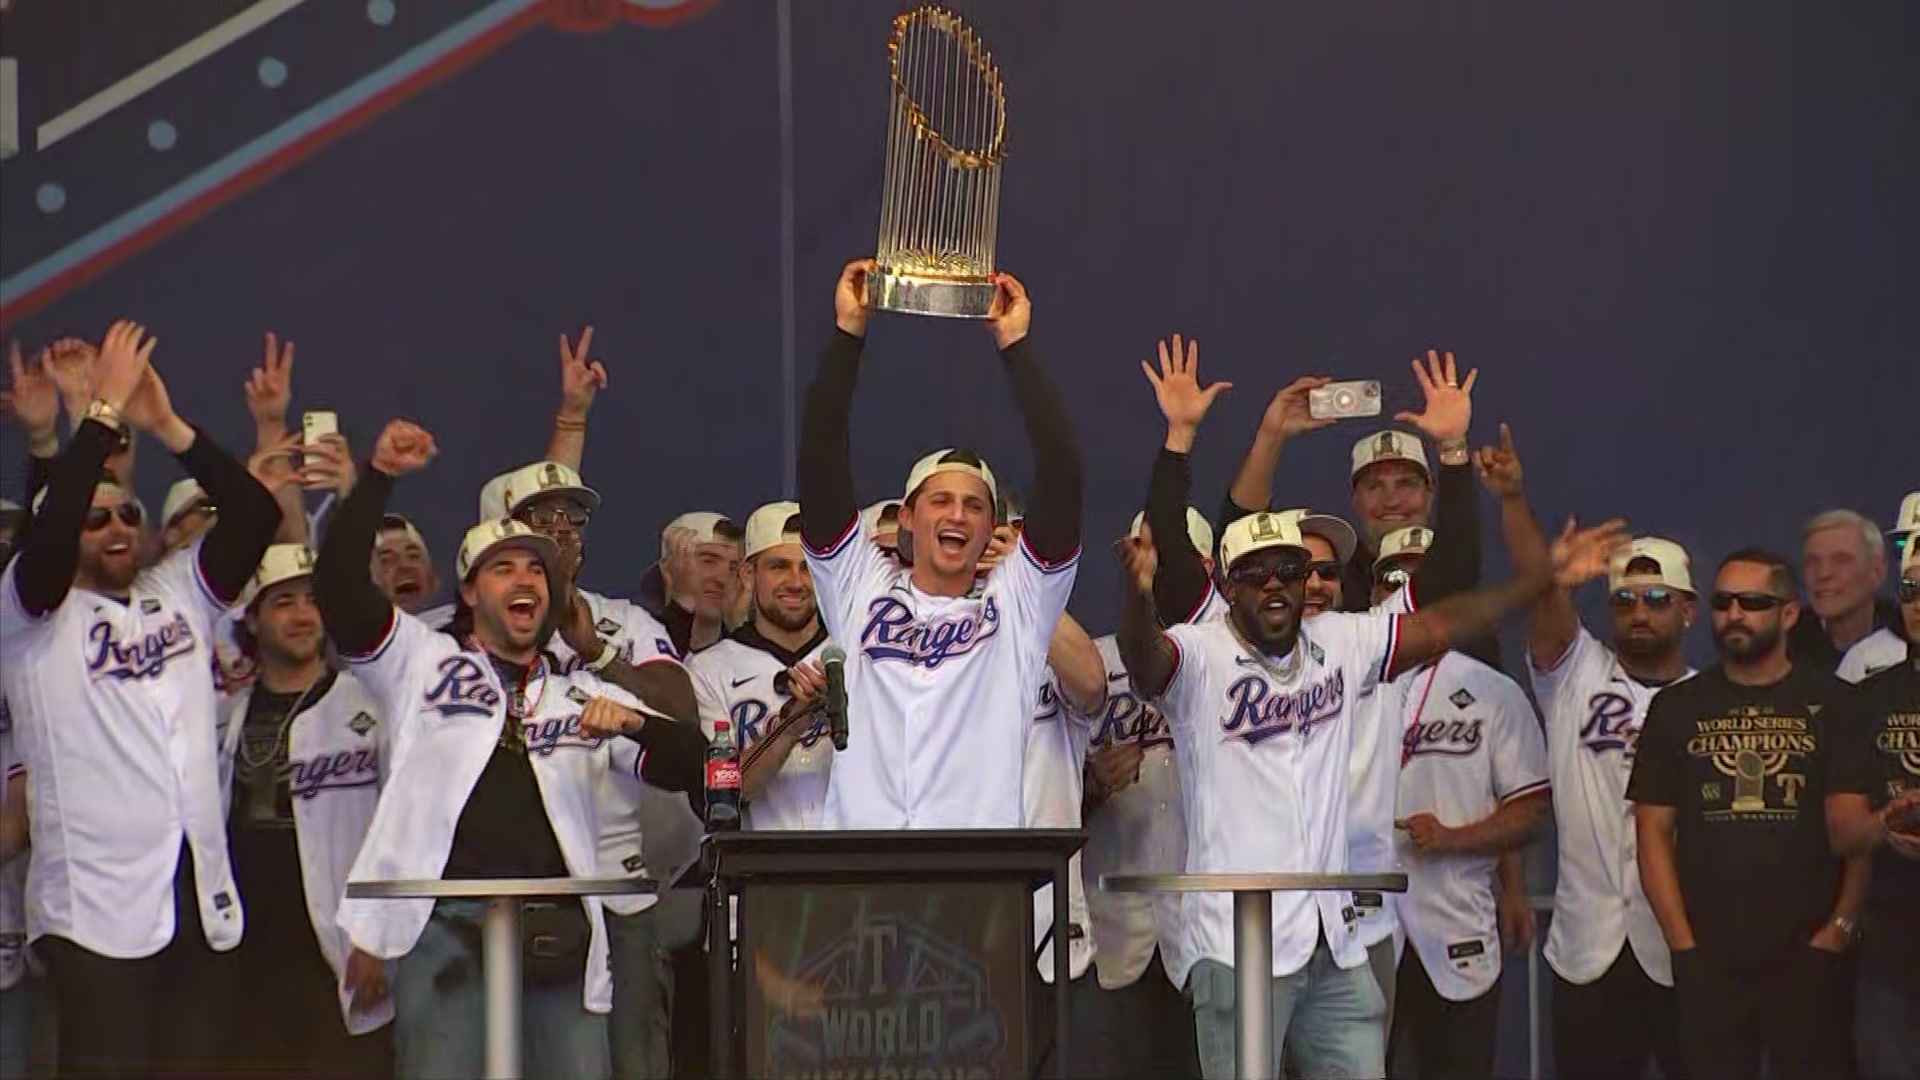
point(1345, 400)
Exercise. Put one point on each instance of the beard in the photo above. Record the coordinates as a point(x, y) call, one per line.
point(1645, 646)
point(789, 621)
point(292, 653)
point(1744, 643)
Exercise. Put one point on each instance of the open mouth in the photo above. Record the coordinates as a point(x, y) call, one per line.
point(523, 608)
point(118, 548)
point(1275, 604)
point(406, 587)
point(951, 541)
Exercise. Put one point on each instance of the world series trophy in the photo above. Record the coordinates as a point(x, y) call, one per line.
point(940, 200)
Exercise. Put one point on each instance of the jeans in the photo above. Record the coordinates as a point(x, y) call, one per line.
point(1886, 1024)
point(440, 1010)
point(638, 1032)
point(1329, 1019)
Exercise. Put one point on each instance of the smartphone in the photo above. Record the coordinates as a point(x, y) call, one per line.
point(1342, 400)
point(316, 424)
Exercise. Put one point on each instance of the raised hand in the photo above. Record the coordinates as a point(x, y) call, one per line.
point(31, 397)
point(1176, 386)
point(850, 296)
point(1141, 559)
point(326, 464)
point(72, 361)
point(1449, 408)
point(1011, 314)
point(273, 464)
point(270, 386)
point(677, 569)
point(1288, 414)
point(151, 410)
point(403, 447)
point(581, 376)
point(1580, 555)
point(125, 357)
point(604, 717)
point(1499, 467)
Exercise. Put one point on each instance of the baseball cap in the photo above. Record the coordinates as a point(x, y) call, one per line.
point(951, 460)
point(490, 536)
point(772, 525)
point(707, 527)
point(106, 482)
point(504, 494)
point(1334, 530)
point(183, 494)
point(1412, 540)
point(1389, 446)
point(402, 523)
point(8, 506)
point(877, 518)
point(1258, 532)
point(1650, 560)
point(1908, 522)
point(1198, 530)
point(280, 562)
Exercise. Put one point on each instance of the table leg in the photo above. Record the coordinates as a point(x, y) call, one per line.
point(1253, 994)
point(500, 954)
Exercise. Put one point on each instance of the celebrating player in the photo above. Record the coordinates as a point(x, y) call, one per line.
point(108, 672)
point(937, 676)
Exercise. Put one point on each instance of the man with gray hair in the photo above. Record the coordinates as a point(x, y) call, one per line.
point(1844, 562)
point(1887, 646)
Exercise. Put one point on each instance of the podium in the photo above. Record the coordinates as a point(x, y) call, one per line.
point(868, 952)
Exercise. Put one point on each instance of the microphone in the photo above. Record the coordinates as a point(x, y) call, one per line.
point(833, 659)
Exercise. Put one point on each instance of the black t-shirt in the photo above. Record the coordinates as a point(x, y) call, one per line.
point(1876, 753)
point(260, 829)
point(503, 830)
point(1745, 768)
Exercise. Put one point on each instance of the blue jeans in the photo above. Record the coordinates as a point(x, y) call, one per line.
point(1886, 1022)
point(440, 1011)
point(639, 1032)
point(1331, 1022)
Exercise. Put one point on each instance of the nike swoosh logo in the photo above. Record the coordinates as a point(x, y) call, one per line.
point(738, 683)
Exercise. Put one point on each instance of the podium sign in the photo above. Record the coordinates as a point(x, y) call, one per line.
point(886, 979)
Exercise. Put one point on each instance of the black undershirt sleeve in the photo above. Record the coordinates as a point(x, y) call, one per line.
point(1180, 579)
point(247, 521)
point(676, 755)
point(1059, 476)
point(355, 612)
point(1452, 564)
point(50, 550)
point(824, 461)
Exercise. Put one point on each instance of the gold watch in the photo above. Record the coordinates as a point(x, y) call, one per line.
point(1454, 453)
point(98, 409)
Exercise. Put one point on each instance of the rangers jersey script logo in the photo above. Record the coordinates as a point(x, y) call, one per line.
point(144, 657)
point(1259, 713)
point(1610, 725)
point(345, 769)
point(462, 690)
point(1458, 737)
point(892, 633)
point(1125, 720)
point(749, 713)
point(555, 732)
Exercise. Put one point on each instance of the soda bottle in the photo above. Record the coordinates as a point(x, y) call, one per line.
point(723, 780)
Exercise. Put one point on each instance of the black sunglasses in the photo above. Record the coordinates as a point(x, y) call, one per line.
point(1257, 574)
point(129, 514)
point(1330, 570)
point(1655, 599)
point(1748, 601)
point(543, 517)
point(1909, 590)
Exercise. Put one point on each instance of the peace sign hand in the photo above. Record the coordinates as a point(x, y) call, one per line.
point(270, 386)
point(581, 376)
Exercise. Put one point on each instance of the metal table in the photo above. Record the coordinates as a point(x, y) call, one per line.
point(1254, 1052)
point(500, 939)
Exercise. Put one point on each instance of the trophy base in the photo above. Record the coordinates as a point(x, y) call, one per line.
point(947, 298)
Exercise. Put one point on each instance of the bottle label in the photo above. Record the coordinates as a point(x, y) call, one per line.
point(723, 774)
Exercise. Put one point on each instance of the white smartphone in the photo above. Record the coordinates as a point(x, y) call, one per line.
point(1341, 400)
point(316, 424)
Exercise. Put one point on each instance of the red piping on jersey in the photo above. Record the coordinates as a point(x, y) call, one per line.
point(833, 549)
point(1045, 566)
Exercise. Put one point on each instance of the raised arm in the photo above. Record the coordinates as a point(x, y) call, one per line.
point(1076, 662)
point(1150, 658)
point(1180, 581)
point(269, 392)
point(827, 506)
point(1553, 622)
point(581, 377)
point(1452, 564)
point(1059, 476)
point(355, 612)
point(33, 401)
point(1287, 415)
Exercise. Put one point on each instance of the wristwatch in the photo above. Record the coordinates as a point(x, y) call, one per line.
point(98, 409)
point(1454, 453)
point(1849, 929)
point(600, 663)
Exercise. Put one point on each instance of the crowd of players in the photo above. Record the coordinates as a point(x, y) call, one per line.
point(220, 716)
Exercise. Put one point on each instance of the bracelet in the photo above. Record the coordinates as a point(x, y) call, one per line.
point(99, 410)
point(603, 661)
point(561, 423)
point(1454, 453)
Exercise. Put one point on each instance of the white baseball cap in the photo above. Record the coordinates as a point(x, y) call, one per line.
point(952, 460)
point(490, 536)
point(1389, 446)
point(1908, 522)
point(707, 527)
point(1258, 532)
point(505, 494)
point(280, 562)
point(772, 525)
point(881, 518)
point(182, 494)
point(1670, 565)
point(401, 523)
point(1412, 540)
point(1199, 530)
point(1334, 530)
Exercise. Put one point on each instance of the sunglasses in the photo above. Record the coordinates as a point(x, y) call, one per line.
point(1748, 601)
point(1258, 574)
point(1330, 570)
point(543, 517)
point(1909, 590)
point(1655, 599)
point(128, 513)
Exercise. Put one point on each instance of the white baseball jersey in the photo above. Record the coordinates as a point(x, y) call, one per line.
point(334, 753)
point(1872, 655)
point(13, 876)
point(1055, 780)
point(1142, 829)
point(444, 709)
point(636, 638)
point(438, 617)
point(1472, 744)
point(1265, 747)
point(113, 706)
point(1593, 711)
point(734, 681)
point(940, 690)
point(1374, 779)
